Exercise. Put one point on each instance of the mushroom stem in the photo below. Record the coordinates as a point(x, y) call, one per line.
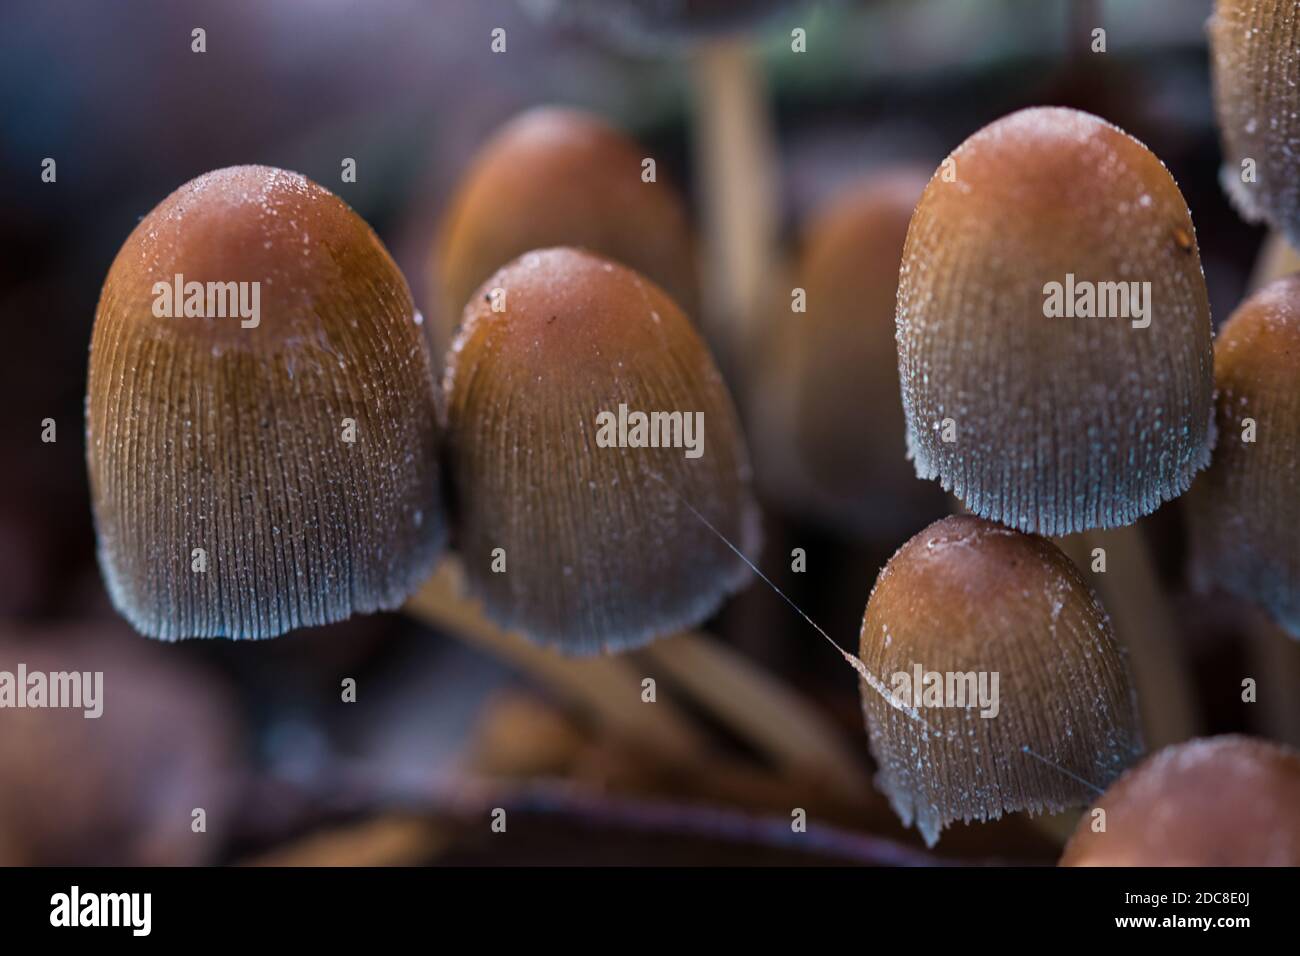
point(1145, 626)
point(605, 686)
point(736, 156)
point(776, 722)
point(1275, 658)
point(1057, 827)
point(1276, 259)
point(761, 710)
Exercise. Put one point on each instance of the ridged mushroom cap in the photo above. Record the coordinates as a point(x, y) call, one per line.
point(964, 597)
point(223, 442)
point(1243, 511)
point(1255, 65)
point(559, 177)
point(1055, 423)
point(1221, 801)
point(601, 548)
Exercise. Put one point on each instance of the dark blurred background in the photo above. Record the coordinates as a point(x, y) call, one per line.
point(410, 89)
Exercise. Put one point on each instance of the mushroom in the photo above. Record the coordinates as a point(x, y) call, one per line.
point(1221, 801)
point(995, 683)
point(260, 420)
point(1055, 423)
point(1055, 354)
point(559, 177)
point(115, 778)
point(838, 356)
point(1256, 73)
point(573, 530)
point(1242, 510)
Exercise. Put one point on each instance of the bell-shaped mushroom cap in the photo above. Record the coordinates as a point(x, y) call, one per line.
point(994, 639)
point(559, 177)
point(572, 529)
point(1221, 801)
point(1255, 61)
point(843, 360)
point(260, 419)
point(1244, 510)
point(1053, 327)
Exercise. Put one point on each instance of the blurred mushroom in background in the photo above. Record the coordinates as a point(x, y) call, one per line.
point(559, 177)
point(125, 787)
point(826, 416)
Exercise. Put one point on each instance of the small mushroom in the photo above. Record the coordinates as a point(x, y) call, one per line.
point(1053, 327)
point(1243, 511)
point(1256, 73)
point(1221, 801)
point(260, 421)
point(837, 357)
point(573, 530)
point(559, 177)
point(996, 684)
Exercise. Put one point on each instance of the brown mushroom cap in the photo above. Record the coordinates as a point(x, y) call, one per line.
point(559, 177)
point(600, 544)
point(1061, 424)
point(206, 434)
point(1244, 511)
point(845, 360)
point(1256, 73)
point(1222, 801)
point(970, 597)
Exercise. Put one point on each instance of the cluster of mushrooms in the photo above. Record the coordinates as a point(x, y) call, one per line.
point(250, 481)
